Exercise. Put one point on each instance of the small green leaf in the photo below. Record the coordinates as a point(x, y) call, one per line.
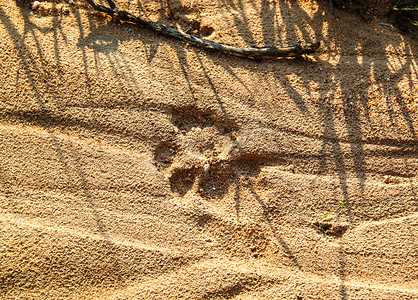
point(339, 206)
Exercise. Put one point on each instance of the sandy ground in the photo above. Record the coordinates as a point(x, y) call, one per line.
point(136, 167)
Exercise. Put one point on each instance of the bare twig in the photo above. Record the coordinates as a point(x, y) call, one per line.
point(265, 53)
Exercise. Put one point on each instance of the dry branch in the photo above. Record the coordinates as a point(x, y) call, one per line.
point(265, 53)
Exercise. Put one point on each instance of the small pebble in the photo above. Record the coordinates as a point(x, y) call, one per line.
point(35, 5)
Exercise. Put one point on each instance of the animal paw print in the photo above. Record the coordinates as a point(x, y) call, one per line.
point(197, 158)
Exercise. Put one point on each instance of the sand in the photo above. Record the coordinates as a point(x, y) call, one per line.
point(134, 166)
